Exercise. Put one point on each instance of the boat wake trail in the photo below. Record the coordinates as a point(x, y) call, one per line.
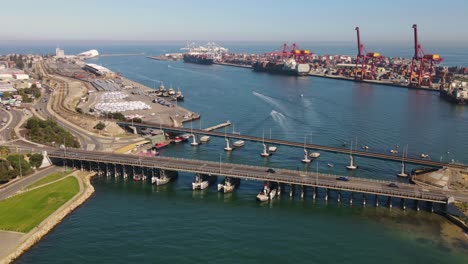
point(278, 118)
point(141, 76)
point(267, 99)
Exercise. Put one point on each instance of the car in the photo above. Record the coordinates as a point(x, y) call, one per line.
point(342, 178)
point(270, 170)
point(393, 185)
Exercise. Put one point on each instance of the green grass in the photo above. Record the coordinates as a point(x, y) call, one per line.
point(49, 178)
point(23, 212)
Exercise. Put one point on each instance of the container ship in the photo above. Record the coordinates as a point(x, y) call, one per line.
point(288, 67)
point(205, 55)
point(198, 58)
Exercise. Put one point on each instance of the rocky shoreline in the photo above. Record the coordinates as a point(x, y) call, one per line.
point(35, 235)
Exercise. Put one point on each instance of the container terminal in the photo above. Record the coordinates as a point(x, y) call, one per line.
point(422, 71)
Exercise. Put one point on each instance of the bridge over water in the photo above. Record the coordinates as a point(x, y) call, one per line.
point(368, 154)
point(84, 159)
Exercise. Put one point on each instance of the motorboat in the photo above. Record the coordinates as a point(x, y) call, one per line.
point(205, 139)
point(365, 147)
point(228, 185)
point(423, 155)
point(239, 143)
point(330, 165)
point(394, 151)
point(161, 145)
point(272, 149)
point(137, 177)
point(268, 192)
point(164, 177)
point(314, 155)
point(203, 181)
point(171, 91)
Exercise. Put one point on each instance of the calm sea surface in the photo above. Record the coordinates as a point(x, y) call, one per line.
point(134, 222)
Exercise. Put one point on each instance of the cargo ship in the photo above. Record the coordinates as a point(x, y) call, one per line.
point(288, 67)
point(198, 58)
point(457, 96)
point(205, 55)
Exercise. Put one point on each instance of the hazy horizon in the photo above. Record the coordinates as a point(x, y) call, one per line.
point(256, 21)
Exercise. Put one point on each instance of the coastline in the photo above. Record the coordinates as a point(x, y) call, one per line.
point(40, 231)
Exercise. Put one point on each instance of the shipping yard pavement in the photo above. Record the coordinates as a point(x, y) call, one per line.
point(158, 114)
point(34, 217)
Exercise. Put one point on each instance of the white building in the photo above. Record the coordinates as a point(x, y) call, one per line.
point(89, 54)
point(21, 76)
point(59, 53)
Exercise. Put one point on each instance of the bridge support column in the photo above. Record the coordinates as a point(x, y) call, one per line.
point(90, 168)
point(376, 200)
point(351, 198)
point(314, 195)
point(81, 162)
point(124, 173)
point(327, 192)
point(338, 196)
point(403, 204)
point(417, 205)
point(303, 191)
point(363, 199)
point(280, 189)
point(73, 164)
point(107, 170)
point(291, 190)
point(143, 173)
point(115, 170)
point(389, 202)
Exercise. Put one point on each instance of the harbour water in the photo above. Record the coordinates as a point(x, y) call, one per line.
point(133, 222)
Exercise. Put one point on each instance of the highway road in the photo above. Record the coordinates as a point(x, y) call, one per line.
point(359, 185)
point(12, 188)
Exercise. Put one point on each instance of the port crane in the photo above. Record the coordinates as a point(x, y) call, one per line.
point(366, 62)
point(286, 52)
point(423, 65)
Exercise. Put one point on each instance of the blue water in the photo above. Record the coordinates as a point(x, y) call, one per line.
point(127, 222)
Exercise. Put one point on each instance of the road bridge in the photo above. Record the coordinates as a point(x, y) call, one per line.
point(367, 154)
point(77, 158)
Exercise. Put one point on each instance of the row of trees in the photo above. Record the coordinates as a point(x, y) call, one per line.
point(15, 165)
point(48, 132)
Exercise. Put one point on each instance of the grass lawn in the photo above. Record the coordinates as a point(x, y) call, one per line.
point(50, 178)
point(23, 212)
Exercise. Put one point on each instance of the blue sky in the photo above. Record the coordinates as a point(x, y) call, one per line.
point(254, 20)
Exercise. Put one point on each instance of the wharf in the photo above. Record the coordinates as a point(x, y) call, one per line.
point(234, 65)
point(225, 124)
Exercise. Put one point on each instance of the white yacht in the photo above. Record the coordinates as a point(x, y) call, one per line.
point(205, 139)
point(203, 181)
point(239, 143)
point(228, 185)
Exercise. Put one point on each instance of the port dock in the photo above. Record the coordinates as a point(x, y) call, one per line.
point(225, 124)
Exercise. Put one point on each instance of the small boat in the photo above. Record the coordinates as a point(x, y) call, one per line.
point(330, 165)
point(306, 157)
point(161, 145)
point(228, 185)
point(423, 155)
point(164, 177)
point(393, 151)
point(179, 96)
point(171, 91)
point(268, 192)
point(137, 177)
point(205, 139)
point(272, 149)
point(365, 147)
point(178, 139)
point(227, 148)
point(202, 181)
point(162, 88)
point(314, 155)
point(265, 153)
point(239, 143)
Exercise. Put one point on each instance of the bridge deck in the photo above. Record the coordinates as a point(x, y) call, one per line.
point(367, 154)
point(361, 185)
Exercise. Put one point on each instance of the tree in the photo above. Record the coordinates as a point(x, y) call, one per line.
point(6, 95)
point(4, 150)
point(19, 164)
point(36, 160)
point(100, 126)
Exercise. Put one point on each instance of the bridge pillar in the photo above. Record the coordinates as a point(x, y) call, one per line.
point(351, 198)
point(431, 205)
point(90, 168)
point(417, 205)
point(115, 170)
point(327, 192)
point(314, 195)
point(124, 172)
point(303, 191)
point(376, 200)
point(73, 164)
point(389, 202)
point(403, 203)
point(133, 171)
point(143, 173)
point(363, 199)
point(291, 190)
point(338, 196)
point(81, 162)
point(280, 189)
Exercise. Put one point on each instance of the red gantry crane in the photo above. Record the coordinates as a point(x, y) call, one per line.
point(301, 56)
point(366, 62)
point(423, 65)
